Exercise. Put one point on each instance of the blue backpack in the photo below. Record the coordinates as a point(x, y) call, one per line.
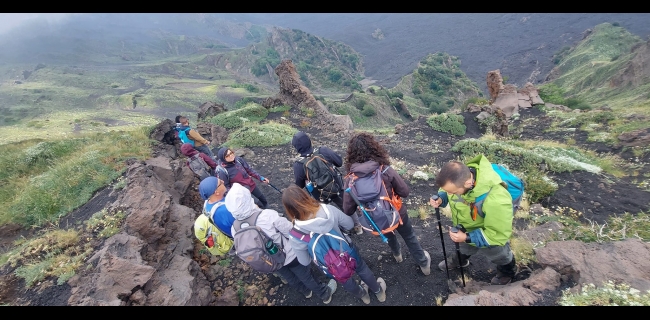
point(330, 252)
point(182, 134)
point(511, 182)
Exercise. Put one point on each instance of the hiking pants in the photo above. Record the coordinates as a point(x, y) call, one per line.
point(204, 149)
point(302, 279)
point(366, 275)
point(257, 192)
point(338, 202)
point(499, 255)
point(412, 243)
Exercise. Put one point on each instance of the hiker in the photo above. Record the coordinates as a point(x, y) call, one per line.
point(364, 156)
point(302, 144)
point(212, 226)
point(242, 206)
point(233, 169)
point(212, 191)
point(191, 154)
point(195, 138)
point(460, 184)
point(312, 216)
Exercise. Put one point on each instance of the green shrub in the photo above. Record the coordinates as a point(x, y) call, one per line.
point(264, 135)
point(360, 103)
point(243, 102)
point(368, 111)
point(575, 103)
point(449, 123)
point(237, 118)
point(435, 107)
point(551, 93)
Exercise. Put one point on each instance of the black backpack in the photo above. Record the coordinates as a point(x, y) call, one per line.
point(326, 180)
point(199, 166)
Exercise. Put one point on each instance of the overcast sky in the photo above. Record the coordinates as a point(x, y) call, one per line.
point(10, 20)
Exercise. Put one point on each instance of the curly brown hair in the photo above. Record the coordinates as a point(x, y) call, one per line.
point(363, 147)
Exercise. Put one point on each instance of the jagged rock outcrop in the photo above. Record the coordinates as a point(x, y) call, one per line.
point(494, 84)
point(635, 138)
point(295, 94)
point(507, 100)
point(210, 109)
point(626, 261)
point(150, 261)
point(403, 109)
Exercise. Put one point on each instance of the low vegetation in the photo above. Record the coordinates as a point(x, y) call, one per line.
point(44, 180)
point(609, 294)
point(60, 253)
point(449, 123)
point(263, 135)
point(252, 113)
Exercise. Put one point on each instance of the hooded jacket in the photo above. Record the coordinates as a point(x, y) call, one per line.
point(302, 144)
point(320, 224)
point(189, 152)
point(238, 171)
point(392, 180)
point(496, 228)
point(241, 205)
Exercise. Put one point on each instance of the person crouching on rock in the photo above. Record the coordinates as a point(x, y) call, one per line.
point(240, 203)
point(233, 169)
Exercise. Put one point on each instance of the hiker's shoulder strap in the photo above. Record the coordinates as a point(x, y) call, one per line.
point(251, 221)
point(385, 169)
point(213, 210)
point(297, 233)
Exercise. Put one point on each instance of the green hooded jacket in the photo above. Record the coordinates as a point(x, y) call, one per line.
point(496, 228)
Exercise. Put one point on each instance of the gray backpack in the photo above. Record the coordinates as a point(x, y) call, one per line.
point(250, 245)
point(199, 166)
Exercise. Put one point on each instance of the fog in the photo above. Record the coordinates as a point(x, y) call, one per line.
point(8, 21)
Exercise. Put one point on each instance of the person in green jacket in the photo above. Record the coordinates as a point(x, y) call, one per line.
point(460, 184)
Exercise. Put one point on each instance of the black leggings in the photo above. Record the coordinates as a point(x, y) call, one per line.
point(257, 192)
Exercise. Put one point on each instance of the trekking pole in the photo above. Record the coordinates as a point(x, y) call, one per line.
point(435, 197)
point(454, 230)
point(383, 237)
point(272, 186)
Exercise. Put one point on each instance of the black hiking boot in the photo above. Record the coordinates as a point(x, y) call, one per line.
point(505, 273)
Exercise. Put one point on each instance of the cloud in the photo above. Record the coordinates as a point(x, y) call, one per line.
point(8, 21)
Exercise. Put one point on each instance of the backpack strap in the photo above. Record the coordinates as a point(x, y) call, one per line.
point(300, 235)
point(251, 221)
point(476, 207)
point(210, 215)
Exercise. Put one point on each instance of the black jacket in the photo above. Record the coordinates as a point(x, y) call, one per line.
point(302, 144)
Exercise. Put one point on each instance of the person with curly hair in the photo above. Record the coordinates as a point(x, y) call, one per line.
point(364, 156)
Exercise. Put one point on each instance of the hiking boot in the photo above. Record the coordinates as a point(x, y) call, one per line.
point(358, 229)
point(398, 256)
point(426, 269)
point(505, 273)
point(501, 279)
point(308, 295)
point(452, 262)
point(366, 297)
point(381, 295)
point(331, 287)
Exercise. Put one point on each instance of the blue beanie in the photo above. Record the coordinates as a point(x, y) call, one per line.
point(208, 186)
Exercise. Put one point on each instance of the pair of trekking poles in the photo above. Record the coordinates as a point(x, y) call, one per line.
point(450, 283)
